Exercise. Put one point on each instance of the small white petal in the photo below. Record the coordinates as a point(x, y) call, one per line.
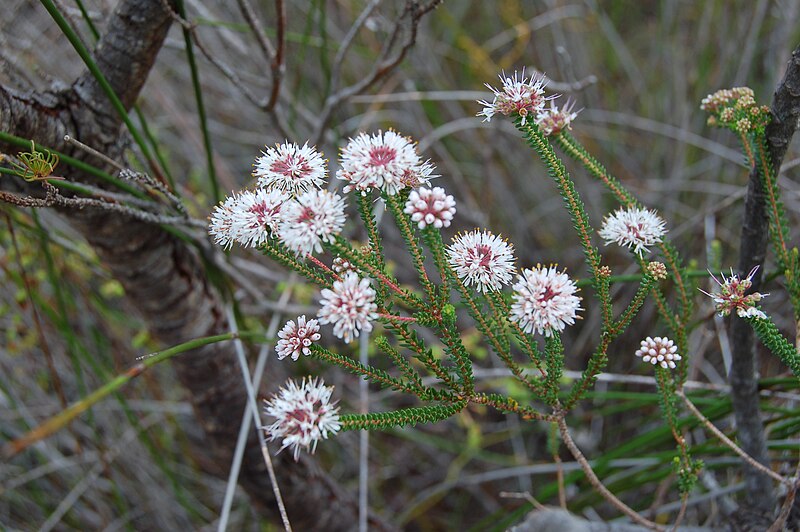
point(290, 168)
point(349, 306)
point(386, 161)
point(633, 228)
point(482, 259)
point(544, 300)
point(304, 414)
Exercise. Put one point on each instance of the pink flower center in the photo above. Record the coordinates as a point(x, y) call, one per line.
point(546, 295)
point(301, 416)
point(307, 215)
point(264, 213)
point(484, 256)
point(555, 122)
point(635, 230)
point(291, 167)
point(409, 178)
point(381, 156)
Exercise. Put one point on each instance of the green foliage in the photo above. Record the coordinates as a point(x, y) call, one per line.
point(570, 196)
point(405, 367)
point(676, 321)
point(735, 109)
point(400, 418)
point(395, 204)
point(772, 338)
point(554, 357)
point(278, 252)
point(687, 474)
point(36, 164)
point(371, 373)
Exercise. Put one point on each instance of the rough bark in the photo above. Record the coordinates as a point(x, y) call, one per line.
point(753, 251)
point(163, 277)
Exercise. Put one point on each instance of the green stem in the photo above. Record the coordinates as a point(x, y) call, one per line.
point(776, 211)
point(402, 364)
point(368, 372)
point(771, 337)
point(399, 418)
point(574, 149)
point(201, 110)
point(433, 239)
point(572, 200)
point(596, 364)
point(554, 352)
point(508, 405)
point(279, 253)
point(629, 313)
point(424, 355)
point(412, 244)
point(365, 210)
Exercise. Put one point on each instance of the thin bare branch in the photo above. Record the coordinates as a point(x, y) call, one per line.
point(276, 64)
point(389, 58)
point(729, 443)
point(53, 198)
point(255, 26)
point(88, 149)
point(348, 41)
point(595, 482)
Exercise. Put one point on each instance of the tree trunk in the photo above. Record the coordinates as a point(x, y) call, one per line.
point(743, 376)
point(162, 275)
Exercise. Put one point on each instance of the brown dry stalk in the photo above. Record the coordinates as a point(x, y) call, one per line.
point(595, 482)
point(729, 443)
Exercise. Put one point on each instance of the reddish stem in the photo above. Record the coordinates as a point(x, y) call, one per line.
point(323, 266)
point(393, 317)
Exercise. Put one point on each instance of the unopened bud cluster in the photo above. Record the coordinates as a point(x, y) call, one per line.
point(735, 109)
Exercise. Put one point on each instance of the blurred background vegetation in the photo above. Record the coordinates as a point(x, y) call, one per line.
point(637, 69)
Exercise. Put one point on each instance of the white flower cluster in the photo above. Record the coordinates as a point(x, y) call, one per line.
point(430, 207)
point(296, 338)
point(290, 168)
point(544, 299)
point(246, 218)
point(314, 217)
point(482, 259)
point(287, 202)
point(633, 228)
point(734, 295)
point(519, 95)
point(304, 414)
point(290, 203)
point(386, 161)
point(524, 97)
point(350, 307)
point(553, 121)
